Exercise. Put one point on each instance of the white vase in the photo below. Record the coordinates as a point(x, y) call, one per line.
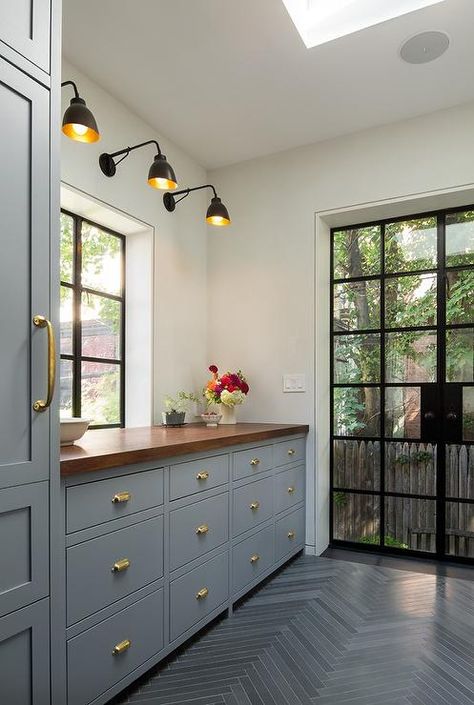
point(228, 414)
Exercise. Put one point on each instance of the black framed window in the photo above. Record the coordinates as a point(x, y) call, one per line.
point(92, 346)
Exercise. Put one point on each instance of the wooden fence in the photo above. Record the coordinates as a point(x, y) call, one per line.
point(410, 468)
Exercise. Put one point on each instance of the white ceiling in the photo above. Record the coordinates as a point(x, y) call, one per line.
point(229, 80)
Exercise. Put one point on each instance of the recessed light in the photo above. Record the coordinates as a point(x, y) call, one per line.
point(321, 21)
point(424, 47)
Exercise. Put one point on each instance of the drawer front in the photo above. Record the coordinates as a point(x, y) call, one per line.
point(198, 528)
point(198, 475)
point(103, 570)
point(289, 533)
point(289, 488)
point(252, 504)
point(198, 593)
point(97, 502)
point(250, 462)
point(93, 667)
point(291, 451)
point(251, 558)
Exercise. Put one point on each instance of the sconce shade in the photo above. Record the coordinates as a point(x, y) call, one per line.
point(217, 213)
point(78, 122)
point(161, 174)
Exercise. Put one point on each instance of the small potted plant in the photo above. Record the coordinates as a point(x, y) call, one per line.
point(176, 408)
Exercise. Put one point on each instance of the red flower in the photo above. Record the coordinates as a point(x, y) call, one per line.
point(226, 380)
point(213, 369)
point(244, 387)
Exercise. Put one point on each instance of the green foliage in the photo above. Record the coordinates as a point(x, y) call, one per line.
point(374, 539)
point(340, 499)
point(420, 456)
point(180, 403)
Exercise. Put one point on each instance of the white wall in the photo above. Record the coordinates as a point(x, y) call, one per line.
point(268, 274)
point(180, 359)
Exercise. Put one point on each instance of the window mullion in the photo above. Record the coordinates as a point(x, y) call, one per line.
point(77, 326)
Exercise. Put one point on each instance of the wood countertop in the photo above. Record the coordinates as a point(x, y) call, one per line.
point(109, 448)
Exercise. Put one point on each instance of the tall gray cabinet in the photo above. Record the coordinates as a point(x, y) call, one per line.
point(29, 469)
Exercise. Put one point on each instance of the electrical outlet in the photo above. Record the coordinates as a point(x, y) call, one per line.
point(293, 383)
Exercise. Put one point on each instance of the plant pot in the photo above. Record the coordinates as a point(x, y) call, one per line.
point(228, 414)
point(173, 418)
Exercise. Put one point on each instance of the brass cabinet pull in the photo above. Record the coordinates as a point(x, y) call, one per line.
point(254, 506)
point(202, 594)
point(203, 529)
point(291, 490)
point(121, 497)
point(291, 534)
point(291, 451)
point(255, 461)
point(42, 322)
point(121, 565)
point(121, 647)
point(255, 558)
point(203, 475)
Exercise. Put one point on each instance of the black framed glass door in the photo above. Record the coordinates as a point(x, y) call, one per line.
point(402, 385)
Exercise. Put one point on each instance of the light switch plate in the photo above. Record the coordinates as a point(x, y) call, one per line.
point(294, 382)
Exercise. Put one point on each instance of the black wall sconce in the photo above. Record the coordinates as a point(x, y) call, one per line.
point(78, 122)
point(217, 213)
point(160, 175)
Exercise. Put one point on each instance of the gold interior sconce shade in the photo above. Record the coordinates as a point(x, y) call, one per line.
point(160, 175)
point(79, 124)
point(217, 213)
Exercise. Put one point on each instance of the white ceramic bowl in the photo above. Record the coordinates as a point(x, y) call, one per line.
point(72, 430)
point(211, 420)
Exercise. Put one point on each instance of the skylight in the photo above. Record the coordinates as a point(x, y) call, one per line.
point(321, 21)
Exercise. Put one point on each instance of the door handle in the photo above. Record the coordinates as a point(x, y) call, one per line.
point(42, 322)
point(452, 416)
point(429, 416)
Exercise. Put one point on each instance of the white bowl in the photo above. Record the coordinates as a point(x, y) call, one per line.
point(211, 420)
point(72, 430)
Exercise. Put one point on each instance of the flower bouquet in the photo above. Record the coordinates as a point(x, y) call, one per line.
point(228, 391)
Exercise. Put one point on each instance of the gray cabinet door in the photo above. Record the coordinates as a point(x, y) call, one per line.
point(24, 274)
point(24, 656)
point(24, 26)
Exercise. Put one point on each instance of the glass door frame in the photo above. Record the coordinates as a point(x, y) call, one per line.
point(440, 327)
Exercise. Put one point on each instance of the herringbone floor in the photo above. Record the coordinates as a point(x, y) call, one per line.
point(330, 632)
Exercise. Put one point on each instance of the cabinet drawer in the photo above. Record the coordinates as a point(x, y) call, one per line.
point(198, 593)
point(289, 533)
point(97, 502)
point(198, 528)
point(250, 462)
point(289, 451)
point(289, 488)
point(92, 665)
point(97, 572)
point(252, 504)
point(251, 558)
point(198, 475)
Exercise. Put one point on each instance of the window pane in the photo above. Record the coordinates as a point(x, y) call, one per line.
point(410, 523)
point(460, 355)
point(411, 245)
point(65, 317)
point(356, 517)
point(468, 418)
point(460, 529)
point(65, 388)
point(410, 357)
point(357, 305)
point(357, 358)
point(356, 411)
point(410, 468)
point(100, 393)
point(101, 326)
point(66, 248)
point(460, 296)
point(410, 301)
point(101, 260)
point(357, 464)
point(460, 238)
point(357, 252)
point(460, 471)
point(402, 412)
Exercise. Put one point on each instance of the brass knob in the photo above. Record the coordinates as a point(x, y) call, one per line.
point(203, 529)
point(291, 490)
point(254, 558)
point(121, 647)
point(121, 497)
point(291, 534)
point(291, 451)
point(254, 506)
point(202, 593)
point(203, 475)
point(121, 565)
point(255, 461)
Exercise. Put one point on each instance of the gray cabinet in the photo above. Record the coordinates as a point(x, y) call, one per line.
point(25, 28)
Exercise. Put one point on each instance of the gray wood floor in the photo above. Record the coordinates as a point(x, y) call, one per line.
point(330, 632)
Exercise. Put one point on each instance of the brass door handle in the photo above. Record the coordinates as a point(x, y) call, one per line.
point(255, 461)
point(121, 565)
point(42, 322)
point(203, 475)
point(121, 647)
point(291, 534)
point(121, 497)
point(254, 506)
point(202, 593)
point(255, 558)
point(291, 490)
point(203, 529)
point(291, 451)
